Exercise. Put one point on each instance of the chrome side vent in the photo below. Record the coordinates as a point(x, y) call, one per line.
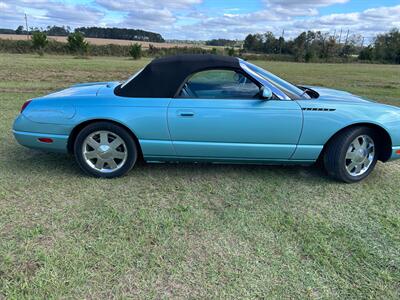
point(317, 109)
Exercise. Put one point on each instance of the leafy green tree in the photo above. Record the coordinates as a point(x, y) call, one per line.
point(346, 51)
point(387, 47)
point(77, 43)
point(271, 43)
point(300, 46)
point(135, 51)
point(281, 45)
point(39, 41)
point(19, 30)
point(329, 48)
point(254, 42)
point(367, 54)
point(58, 31)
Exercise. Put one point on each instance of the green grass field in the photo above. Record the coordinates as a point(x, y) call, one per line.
point(191, 231)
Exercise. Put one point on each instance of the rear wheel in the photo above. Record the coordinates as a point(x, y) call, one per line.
point(105, 150)
point(352, 155)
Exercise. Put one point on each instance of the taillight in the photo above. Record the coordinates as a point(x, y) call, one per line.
point(25, 105)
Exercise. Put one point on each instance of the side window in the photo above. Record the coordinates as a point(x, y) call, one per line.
point(220, 84)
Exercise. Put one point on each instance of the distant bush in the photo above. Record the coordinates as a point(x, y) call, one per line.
point(39, 41)
point(268, 57)
point(367, 54)
point(221, 42)
point(55, 47)
point(108, 50)
point(135, 51)
point(20, 47)
point(309, 56)
point(230, 51)
point(160, 52)
point(77, 43)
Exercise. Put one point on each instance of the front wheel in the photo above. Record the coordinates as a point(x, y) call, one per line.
point(352, 155)
point(105, 150)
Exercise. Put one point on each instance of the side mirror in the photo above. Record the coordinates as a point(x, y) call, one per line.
point(266, 93)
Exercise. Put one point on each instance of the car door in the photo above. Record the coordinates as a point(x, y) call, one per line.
point(219, 115)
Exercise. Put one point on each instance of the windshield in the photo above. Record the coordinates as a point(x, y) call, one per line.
point(285, 86)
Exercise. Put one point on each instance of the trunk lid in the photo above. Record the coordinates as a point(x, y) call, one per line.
point(81, 89)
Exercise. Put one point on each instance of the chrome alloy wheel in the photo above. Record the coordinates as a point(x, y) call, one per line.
point(104, 151)
point(360, 155)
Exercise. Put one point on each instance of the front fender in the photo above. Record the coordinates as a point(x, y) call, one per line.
point(320, 125)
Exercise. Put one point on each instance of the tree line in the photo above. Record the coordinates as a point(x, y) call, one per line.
point(307, 47)
point(94, 32)
point(222, 43)
point(317, 46)
point(386, 48)
point(121, 34)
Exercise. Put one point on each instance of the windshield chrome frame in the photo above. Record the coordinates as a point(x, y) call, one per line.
point(281, 95)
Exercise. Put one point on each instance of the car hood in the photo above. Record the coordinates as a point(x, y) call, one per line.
point(81, 89)
point(337, 95)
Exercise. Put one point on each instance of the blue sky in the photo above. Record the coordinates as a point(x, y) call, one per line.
point(206, 19)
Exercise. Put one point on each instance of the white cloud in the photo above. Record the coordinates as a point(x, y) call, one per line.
point(367, 23)
point(185, 19)
point(299, 8)
point(149, 18)
point(153, 15)
point(4, 5)
point(135, 5)
point(43, 13)
point(308, 3)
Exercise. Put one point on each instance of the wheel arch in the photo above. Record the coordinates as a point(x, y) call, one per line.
point(385, 141)
point(75, 131)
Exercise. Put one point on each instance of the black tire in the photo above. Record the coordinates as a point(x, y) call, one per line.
point(131, 148)
point(335, 154)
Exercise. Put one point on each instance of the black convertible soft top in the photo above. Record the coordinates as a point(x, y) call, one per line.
point(163, 77)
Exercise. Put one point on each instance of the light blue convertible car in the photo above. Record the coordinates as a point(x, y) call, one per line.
point(213, 109)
